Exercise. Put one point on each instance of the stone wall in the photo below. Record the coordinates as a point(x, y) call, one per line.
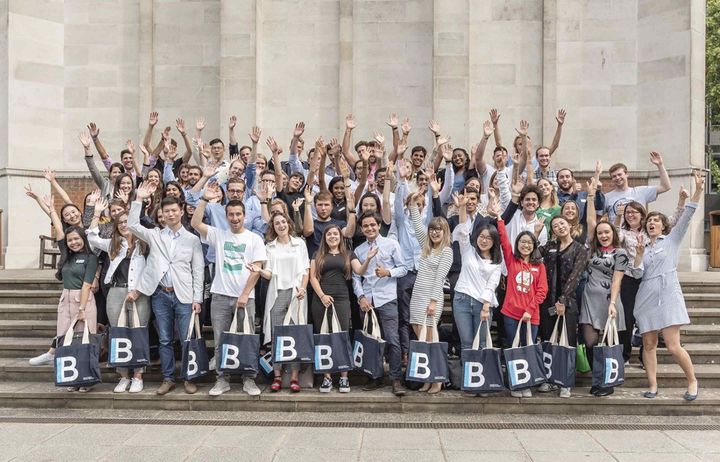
point(629, 72)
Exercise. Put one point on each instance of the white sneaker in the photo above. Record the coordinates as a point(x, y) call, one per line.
point(249, 387)
point(122, 386)
point(136, 386)
point(211, 364)
point(547, 387)
point(516, 394)
point(221, 386)
point(45, 358)
point(564, 392)
point(527, 393)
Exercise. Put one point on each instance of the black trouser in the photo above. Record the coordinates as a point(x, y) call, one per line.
point(404, 294)
point(628, 292)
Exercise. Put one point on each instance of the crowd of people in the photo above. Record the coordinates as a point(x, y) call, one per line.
point(368, 226)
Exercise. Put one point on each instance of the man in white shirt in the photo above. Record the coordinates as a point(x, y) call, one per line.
point(525, 219)
point(173, 276)
point(233, 287)
point(616, 199)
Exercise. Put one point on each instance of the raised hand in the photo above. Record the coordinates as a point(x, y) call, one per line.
point(402, 147)
point(255, 135)
point(233, 122)
point(406, 127)
point(144, 150)
point(308, 194)
point(102, 204)
point(272, 144)
point(494, 116)
point(446, 151)
point(154, 117)
point(372, 252)
point(49, 174)
point(560, 117)
point(349, 122)
point(262, 192)
point(493, 207)
point(200, 124)
point(335, 147)
point(434, 127)
point(393, 121)
point(123, 196)
point(210, 170)
point(684, 193)
point(344, 169)
point(517, 186)
point(85, 140)
point(592, 185)
point(145, 190)
point(459, 200)
point(523, 130)
point(442, 140)
point(640, 246)
point(299, 129)
point(598, 168)
point(212, 192)
point(389, 171)
point(434, 184)
point(166, 134)
point(488, 128)
point(379, 137)
point(539, 225)
point(473, 150)
point(656, 158)
point(30, 193)
point(403, 168)
point(320, 146)
point(180, 125)
point(93, 197)
point(297, 203)
point(48, 201)
point(130, 146)
point(93, 129)
point(699, 184)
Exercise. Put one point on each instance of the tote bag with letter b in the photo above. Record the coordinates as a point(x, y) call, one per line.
point(482, 368)
point(128, 346)
point(608, 363)
point(524, 364)
point(195, 362)
point(77, 363)
point(369, 348)
point(239, 351)
point(428, 361)
point(293, 343)
point(559, 358)
point(332, 347)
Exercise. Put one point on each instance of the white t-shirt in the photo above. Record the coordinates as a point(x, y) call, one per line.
point(614, 199)
point(232, 253)
point(285, 262)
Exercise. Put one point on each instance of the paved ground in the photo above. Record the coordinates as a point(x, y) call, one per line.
point(171, 440)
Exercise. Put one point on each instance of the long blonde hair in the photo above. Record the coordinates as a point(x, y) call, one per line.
point(428, 249)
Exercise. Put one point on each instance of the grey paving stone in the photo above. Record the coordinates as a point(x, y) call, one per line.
point(556, 456)
point(117, 434)
point(479, 440)
point(10, 451)
point(324, 438)
point(32, 434)
point(557, 440)
point(254, 437)
point(654, 457)
point(171, 435)
point(77, 453)
point(400, 455)
point(697, 441)
point(209, 454)
point(475, 456)
point(293, 454)
point(376, 438)
point(157, 453)
point(636, 441)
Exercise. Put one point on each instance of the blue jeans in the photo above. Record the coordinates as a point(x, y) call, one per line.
point(467, 311)
point(169, 311)
point(388, 318)
point(511, 326)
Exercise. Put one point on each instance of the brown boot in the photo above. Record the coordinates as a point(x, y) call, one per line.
point(190, 388)
point(435, 388)
point(166, 387)
point(398, 389)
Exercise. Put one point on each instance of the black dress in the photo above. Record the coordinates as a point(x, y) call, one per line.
point(564, 269)
point(333, 283)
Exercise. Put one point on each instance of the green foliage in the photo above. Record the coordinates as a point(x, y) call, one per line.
point(712, 59)
point(714, 172)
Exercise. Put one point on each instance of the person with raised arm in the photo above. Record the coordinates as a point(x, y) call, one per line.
point(173, 277)
point(622, 193)
point(659, 305)
point(541, 161)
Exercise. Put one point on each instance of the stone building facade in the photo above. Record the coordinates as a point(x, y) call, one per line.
point(630, 74)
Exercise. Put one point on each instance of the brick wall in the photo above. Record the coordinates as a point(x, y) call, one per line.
point(77, 189)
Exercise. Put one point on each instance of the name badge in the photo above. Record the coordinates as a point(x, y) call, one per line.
point(79, 261)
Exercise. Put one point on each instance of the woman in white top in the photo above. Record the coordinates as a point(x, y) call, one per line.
point(479, 276)
point(127, 263)
point(287, 270)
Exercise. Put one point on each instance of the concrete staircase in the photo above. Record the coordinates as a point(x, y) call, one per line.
point(28, 304)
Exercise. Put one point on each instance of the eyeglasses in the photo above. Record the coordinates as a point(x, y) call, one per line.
point(436, 230)
point(484, 238)
point(525, 242)
point(632, 212)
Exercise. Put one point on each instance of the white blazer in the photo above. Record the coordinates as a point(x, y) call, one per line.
point(137, 259)
point(186, 265)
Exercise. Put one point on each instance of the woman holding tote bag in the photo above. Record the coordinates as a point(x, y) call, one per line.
point(287, 270)
point(127, 263)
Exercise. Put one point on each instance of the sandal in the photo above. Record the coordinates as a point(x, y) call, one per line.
point(294, 386)
point(276, 384)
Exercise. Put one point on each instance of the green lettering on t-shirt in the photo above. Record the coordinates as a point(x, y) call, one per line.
point(234, 257)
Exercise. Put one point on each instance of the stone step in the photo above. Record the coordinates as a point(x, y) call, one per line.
point(27, 328)
point(702, 300)
point(32, 296)
point(625, 401)
point(18, 312)
point(669, 375)
point(700, 333)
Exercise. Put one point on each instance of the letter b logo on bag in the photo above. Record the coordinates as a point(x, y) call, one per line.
point(66, 369)
point(611, 370)
point(192, 366)
point(323, 357)
point(419, 366)
point(230, 357)
point(121, 350)
point(473, 375)
point(518, 372)
point(285, 349)
point(547, 362)
point(358, 351)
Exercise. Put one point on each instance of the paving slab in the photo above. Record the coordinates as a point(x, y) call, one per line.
point(32, 434)
point(331, 439)
point(696, 441)
point(315, 455)
point(155, 453)
point(399, 455)
point(389, 438)
point(557, 440)
point(476, 456)
point(479, 440)
point(110, 434)
point(556, 456)
point(11, 451)
point(252, 437)
point(655, 457)
point(636, 441)
point(172, 435)
point(224, 454)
